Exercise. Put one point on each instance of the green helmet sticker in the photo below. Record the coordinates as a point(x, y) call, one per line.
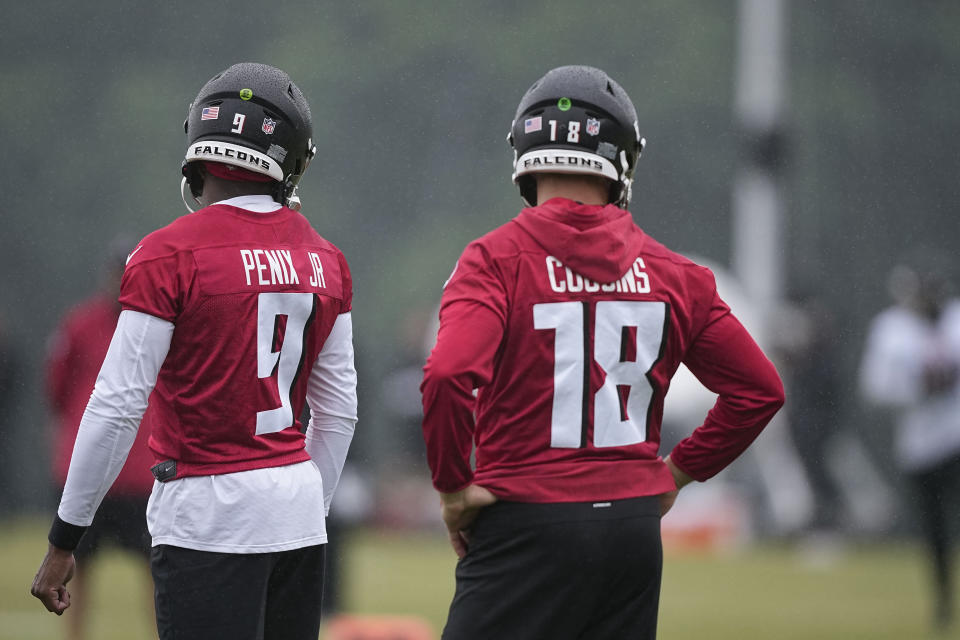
point(246, 94)
point(564, 104)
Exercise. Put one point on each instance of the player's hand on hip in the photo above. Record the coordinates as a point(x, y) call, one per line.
point(680, 479)
point(666, 501)
point(50, 583)
point(459, 510)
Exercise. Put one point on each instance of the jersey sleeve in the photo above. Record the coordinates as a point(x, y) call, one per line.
point(112, 418)
point(726, 359)
point(155, 279)
point(476, 280)
point(347, 281)
point(472, 320)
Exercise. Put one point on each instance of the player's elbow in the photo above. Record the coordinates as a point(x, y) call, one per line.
point(446, 373)
point(438, 371)
point(763, 394)
point(436, 381)
point(771, 393)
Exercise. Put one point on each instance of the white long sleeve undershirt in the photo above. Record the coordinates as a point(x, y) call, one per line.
point(112, 417)
point(332, 398)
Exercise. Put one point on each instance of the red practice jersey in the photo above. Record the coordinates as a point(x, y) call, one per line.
point(571, 321)
point(77, 351)
point(253, 297)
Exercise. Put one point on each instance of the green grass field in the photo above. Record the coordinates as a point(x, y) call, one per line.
point(776, 592)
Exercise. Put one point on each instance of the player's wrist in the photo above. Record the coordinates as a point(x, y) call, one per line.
point(454, 500)
point(680, 477)
point(63, 535)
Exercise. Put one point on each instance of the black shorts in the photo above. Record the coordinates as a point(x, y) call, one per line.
point(581, 571)
point(203, 595)
point(120, 520)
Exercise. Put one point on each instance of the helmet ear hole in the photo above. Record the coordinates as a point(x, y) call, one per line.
point(191, 171)
point(281, 191)
point(528, 189)
point(616, 192)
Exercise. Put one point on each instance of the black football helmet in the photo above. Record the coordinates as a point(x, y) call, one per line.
point(251, 116)
point(576, 119)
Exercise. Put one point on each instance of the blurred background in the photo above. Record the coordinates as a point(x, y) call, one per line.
point(798, 148)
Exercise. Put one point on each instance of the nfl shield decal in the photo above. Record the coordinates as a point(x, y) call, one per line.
point(593, 126)
point(269, 125)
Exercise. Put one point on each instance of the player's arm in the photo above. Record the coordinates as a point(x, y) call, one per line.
point(462, 360)
point(332, 398)
point(471, 330)
point(725, 358)
point(680, 479)
point(106, 434)
point(472, 320)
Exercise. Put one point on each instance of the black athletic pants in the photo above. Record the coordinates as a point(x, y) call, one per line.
point(938, 497)
point(577, 571)
point(202, 595)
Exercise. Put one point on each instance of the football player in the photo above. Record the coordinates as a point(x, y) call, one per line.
point(911, 367)
point(570, 322)
point(233, 317)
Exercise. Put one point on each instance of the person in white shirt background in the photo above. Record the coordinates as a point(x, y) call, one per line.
point(911, 365)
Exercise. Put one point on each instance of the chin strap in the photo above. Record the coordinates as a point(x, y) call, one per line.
point(184, 189)
point(286, 194)
point(293, 202)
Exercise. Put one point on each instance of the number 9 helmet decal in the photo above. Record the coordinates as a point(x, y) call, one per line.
point(251, 116)
point(576, 120)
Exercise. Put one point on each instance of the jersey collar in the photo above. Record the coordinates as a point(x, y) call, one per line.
point(258, 203)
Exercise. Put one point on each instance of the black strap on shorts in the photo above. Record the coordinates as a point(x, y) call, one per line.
point(164, 471)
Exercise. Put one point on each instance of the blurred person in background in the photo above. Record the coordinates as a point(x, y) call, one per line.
point(811, 358)
point(399, 390)
point(911, 364)
point(76, 351)
point(571, 321)
point(234, 317)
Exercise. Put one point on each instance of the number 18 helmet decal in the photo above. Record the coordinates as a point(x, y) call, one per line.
point(251, 116)
point(578, 120)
